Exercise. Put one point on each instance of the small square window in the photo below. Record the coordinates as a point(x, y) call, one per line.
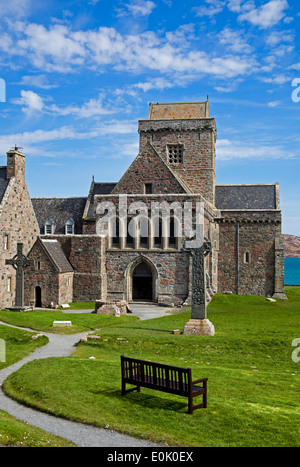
point(148, 188)
point(175, 153)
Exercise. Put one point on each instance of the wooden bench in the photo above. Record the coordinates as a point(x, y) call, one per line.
point(166, 378)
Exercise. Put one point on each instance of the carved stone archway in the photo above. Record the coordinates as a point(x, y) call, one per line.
point(141, 267)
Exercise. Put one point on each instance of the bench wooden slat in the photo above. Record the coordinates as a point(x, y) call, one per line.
point(167, 378)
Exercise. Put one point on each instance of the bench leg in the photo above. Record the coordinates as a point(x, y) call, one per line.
point(125, 391)
point(190, 405)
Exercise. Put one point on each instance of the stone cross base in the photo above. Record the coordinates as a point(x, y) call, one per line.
point(199, 327)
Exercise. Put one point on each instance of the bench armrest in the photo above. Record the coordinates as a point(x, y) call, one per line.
point(202, 380)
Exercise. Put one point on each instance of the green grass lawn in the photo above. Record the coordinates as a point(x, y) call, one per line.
point(18, 344)
point(15, 433)
point(43, 320)
point(253, 383)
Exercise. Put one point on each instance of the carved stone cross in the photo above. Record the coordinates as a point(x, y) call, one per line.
point(19, 263)
point(198, 279)
point(199, 324)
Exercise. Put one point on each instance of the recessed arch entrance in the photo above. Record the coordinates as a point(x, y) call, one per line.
point(38, 297)
point(141, 281)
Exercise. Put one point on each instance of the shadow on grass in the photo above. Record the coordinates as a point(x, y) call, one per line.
point(145, 401)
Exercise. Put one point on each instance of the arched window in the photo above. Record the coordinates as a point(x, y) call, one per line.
point(69, 227)
point(172, 233)
point(144, 232)
point(158, 232)
point(130, 232)
point(116, 232)
point(48, 228)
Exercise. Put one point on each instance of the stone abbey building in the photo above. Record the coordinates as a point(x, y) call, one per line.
point(175, 167)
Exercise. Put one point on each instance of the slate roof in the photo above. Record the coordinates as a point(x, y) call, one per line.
point(59, 211)
point(96, 189)
point(3, 182)
point(56, 254)
point(245, 197)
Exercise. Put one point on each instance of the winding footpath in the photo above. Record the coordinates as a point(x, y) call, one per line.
point(80, 434)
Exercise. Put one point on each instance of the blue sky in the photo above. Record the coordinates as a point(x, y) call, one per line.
point(80, 74)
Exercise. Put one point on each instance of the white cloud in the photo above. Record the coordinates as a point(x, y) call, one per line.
point(227, 150)
point(91, 108)
point(265, 16)
point(138, 8)
point(60, 49)
point(38, 81)
point(28, 139)
point(30, 101)
point(278, 79)
point(213, 7)
point(15, 8)
point(234, 41)
point(274, 104)
point(235, 5)
point(277, 37)
point(295, 66)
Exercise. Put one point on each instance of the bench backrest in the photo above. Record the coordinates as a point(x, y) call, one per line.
point(156, 375)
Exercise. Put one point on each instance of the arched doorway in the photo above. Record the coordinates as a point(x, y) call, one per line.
point(142, 283)
point(38, 297)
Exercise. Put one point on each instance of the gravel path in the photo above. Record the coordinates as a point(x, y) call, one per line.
point(80, 434)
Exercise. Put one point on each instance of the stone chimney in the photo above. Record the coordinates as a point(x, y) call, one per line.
point(15, 164)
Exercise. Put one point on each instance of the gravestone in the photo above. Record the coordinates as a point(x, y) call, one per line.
point(199, 324)
point(19, 262)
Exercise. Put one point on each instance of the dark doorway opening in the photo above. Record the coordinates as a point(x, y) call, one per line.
point(38, 297)
point(142, 283)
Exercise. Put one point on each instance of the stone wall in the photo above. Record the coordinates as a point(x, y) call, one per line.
point(17, 221)
point(56, 288)
point(246, 263)
point(86, 254)
point(170, 273)
point(198, 137)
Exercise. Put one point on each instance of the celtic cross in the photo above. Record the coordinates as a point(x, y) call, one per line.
point(19, 263)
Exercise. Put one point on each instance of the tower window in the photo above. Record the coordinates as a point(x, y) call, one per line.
point(175, 153)
point(148, 188)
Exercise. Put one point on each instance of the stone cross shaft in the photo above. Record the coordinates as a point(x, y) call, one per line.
point(19, 263)
point(198, 279)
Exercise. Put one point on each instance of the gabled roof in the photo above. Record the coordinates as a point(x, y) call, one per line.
point(247, 197)
point(3, 182)
point(56, 255)
point(149, 166)
point(59, 211)
point(96, 189)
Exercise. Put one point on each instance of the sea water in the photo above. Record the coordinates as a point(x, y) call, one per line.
point(292, 271)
